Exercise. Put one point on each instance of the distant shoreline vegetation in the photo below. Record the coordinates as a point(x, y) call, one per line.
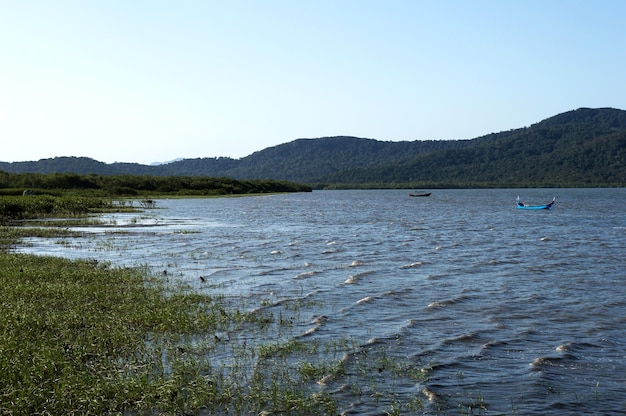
point(57, 184)
point(463, 185)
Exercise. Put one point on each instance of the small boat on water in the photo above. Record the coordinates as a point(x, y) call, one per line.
point(422, 195)
point(521, 205)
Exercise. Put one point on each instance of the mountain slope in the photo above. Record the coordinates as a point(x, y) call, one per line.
point(580, 147)
point(305, 159)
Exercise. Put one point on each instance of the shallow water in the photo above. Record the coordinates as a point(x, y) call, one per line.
point(503, 311)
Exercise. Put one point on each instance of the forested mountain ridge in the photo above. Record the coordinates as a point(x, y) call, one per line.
point(305, 160)
point(583, 147)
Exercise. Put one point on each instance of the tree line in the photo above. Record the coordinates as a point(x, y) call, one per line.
point(143, 185)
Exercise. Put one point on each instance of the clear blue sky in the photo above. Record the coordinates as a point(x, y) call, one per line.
point(146, 81)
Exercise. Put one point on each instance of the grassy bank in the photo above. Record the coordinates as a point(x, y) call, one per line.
point(16, 208)
point(82, 337)
point(73, 336)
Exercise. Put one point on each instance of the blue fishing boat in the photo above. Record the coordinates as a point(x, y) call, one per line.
point(521, 205)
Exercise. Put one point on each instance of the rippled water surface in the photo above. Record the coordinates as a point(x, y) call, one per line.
point(501, 310)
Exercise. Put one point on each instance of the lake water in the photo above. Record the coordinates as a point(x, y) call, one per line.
point(502, 311)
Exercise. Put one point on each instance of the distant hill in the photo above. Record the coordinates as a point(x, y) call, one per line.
point(583, 147)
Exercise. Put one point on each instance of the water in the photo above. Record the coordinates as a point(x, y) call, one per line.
point(502, 311)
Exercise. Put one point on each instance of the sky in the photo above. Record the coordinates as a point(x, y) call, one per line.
point(151, 81)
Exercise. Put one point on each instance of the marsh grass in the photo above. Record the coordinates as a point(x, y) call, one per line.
point(16, 208)
point(82, 337)
point(82, 221)
point(10, 236)
point(73, 334)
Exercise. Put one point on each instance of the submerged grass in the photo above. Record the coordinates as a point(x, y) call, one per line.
point(10, 236)
point(82, 337)
point(73, 335)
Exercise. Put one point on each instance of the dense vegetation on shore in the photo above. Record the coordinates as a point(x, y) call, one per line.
point(583, 147)
point(132, 185)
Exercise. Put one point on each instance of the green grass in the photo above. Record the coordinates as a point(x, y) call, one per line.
point(82, 337)
point(73, 335)
point(20, 207)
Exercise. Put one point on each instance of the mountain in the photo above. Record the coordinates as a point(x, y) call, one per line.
point(583, 147)
point(80, 165)
point(306, 160)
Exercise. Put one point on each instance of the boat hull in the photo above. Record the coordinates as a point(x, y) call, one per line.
point(520, 205)
point(534, 207)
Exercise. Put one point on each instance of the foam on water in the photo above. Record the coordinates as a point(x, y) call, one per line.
point(356, 277)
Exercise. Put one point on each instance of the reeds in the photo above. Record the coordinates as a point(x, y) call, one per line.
point(15, 208)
